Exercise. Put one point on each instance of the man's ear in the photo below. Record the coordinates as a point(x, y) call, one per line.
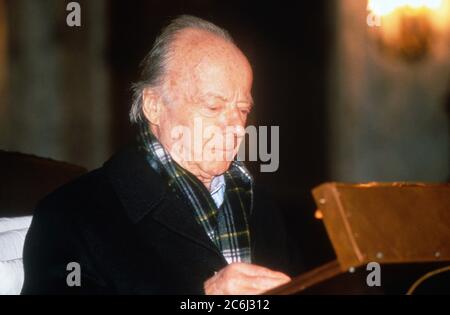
point(151, 106)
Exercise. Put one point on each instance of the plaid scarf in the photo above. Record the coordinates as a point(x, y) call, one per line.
point(227, 226)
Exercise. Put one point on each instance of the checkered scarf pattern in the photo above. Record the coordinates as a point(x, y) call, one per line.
point(227, 226)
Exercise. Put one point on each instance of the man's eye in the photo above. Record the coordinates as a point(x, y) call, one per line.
point(213, 107)
point(245, 111)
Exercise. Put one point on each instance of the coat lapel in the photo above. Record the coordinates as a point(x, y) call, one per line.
point(180, 219)
point(143, 192)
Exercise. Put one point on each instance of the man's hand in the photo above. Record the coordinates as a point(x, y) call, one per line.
point(241, 278)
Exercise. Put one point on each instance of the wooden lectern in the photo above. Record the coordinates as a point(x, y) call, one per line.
point(403, 227)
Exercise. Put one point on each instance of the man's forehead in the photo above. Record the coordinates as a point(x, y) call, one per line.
point(196, 49)
point(210, 68)
point(195, 37)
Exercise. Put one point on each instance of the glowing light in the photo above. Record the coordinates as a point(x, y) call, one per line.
point(385, 7)
point(318, 215)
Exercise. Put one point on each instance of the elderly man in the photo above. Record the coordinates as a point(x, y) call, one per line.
point(166, 215)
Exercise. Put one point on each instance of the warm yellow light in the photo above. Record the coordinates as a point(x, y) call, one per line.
point(385, 7)
point(409, 28)
point(318, 214)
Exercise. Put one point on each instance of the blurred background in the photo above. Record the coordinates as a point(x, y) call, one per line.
point(360, 89)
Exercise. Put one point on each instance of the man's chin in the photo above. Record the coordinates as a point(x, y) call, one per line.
point(216, 168)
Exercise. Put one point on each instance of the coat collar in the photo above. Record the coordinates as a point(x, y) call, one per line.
point(142, 192)
point(138, 186)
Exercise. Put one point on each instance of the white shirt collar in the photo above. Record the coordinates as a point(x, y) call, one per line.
point(218, 190)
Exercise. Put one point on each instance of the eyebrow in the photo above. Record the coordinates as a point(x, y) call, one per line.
point(251, 102)
point(223, 98)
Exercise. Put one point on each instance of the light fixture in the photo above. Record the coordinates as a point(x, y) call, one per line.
point(408, 28)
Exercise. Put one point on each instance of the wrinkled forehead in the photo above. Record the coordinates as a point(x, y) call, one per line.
point(205, 63)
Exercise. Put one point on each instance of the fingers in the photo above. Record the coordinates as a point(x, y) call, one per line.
point(258, 271)
point(263, 284)
point(239, 278)
point(243, 284)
